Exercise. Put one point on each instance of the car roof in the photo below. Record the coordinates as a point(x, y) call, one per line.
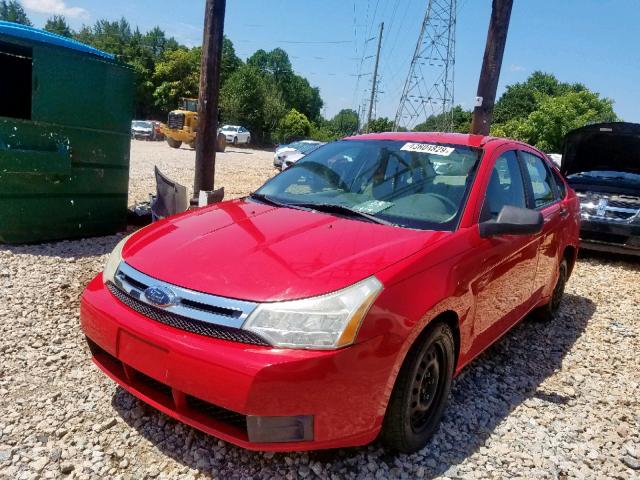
point(436, 137)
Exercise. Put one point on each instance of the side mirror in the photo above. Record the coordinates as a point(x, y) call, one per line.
point(513, 221)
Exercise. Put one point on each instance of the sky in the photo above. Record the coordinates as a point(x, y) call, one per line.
point(594, 42)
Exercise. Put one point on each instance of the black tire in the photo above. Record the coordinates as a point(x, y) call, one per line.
point(174, 143)
point(421, 391)
point(235, 141)
point(548, 311)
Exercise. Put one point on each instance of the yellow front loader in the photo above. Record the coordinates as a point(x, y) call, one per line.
point(182, 126)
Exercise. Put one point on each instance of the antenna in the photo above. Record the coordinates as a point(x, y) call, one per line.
point(428, 89)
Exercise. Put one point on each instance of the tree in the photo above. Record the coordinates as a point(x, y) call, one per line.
point(12, 11)
point(554, 117)
point(345, 122)
point(176, 75)
point(297, 93)
point(520, 99)
point(58, 24)
point(436, 123)
point(293, 126)
point(250, 98)
point(382, 124)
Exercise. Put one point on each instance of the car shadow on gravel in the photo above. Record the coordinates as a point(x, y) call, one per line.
point(483, 396)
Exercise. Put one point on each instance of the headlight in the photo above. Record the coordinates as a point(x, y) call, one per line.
point(111, 267)
point(327, 322)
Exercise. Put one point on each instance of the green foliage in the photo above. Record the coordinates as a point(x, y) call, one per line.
point(345, 123)
point(382, 124)
point(554, 117)
point(12, 11)
point(438, 123)
point(252, 99)
point(58, 24)
point(296, 91)
point(177, 74)
point(293, 126)
point(520, 99)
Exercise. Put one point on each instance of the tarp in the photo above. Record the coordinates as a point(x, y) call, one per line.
point(33, 34)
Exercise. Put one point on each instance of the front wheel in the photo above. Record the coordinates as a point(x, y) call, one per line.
point(174, 143)
point(235, 141)
point(421, 391)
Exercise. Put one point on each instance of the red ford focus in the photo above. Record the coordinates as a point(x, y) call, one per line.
point(336, 303)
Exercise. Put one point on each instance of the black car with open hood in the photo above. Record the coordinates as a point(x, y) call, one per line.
point(602, 164)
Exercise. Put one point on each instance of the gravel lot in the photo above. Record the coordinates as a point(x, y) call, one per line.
point(555, 400)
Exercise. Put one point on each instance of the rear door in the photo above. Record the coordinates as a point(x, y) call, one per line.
point(543, 195)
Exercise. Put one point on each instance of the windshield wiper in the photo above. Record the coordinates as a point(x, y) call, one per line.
point(261, 197)
point(344, 210)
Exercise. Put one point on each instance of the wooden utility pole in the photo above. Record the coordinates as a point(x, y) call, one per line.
point(207, 137)
point(375, 77)
point(491, 64)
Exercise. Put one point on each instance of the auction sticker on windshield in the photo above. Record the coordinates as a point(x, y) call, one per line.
point(372, 206)
point(427, 148)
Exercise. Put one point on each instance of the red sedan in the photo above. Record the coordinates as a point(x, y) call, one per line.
point(336, 303)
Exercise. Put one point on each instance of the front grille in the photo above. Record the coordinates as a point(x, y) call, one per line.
point(189, 324)
point(616, 208)
point(176, 120)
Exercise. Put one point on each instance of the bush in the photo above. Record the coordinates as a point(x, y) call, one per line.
point(293, 126)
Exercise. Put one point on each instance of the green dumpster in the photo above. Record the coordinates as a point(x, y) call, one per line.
point(65, 123)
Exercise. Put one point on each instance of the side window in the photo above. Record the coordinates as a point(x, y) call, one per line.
point(505, 186)
point(540, 180)
point(562, 188)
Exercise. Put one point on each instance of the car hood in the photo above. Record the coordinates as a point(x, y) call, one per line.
point(250, 251)
point(602, 147)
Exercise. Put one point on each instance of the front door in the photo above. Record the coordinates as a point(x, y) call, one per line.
point(503, 289)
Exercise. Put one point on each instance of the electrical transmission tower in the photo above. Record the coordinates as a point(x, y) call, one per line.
point(428, 89)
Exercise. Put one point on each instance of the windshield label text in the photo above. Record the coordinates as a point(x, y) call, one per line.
point(428, 148)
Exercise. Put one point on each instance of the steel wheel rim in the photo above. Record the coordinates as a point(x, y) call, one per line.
point(426, 387)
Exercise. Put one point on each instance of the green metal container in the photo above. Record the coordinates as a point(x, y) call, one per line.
point(65, 123)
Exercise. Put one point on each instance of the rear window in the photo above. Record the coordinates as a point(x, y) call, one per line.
point(541, 181)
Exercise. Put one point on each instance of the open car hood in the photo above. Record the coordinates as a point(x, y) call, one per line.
point(602, 147)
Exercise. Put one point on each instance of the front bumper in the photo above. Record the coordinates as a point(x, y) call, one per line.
point(614, 237)
point(219, 386)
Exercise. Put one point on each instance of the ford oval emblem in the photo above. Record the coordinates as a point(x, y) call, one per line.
point(159, 296)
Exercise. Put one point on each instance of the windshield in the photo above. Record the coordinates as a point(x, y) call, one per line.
point(189, 104)
point(229, 128)
point(415, 185)
point(608, 175)
point(141, 124)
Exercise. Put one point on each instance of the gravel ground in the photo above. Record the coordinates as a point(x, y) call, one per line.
point(554, 400)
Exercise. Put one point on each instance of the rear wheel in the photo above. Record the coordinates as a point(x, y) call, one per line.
point(248, 140)
point(174, 143)
point(421, 391)
point(548, 311)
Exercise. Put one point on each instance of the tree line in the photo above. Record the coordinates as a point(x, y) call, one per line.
point(265, 95)
point(262, 93)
